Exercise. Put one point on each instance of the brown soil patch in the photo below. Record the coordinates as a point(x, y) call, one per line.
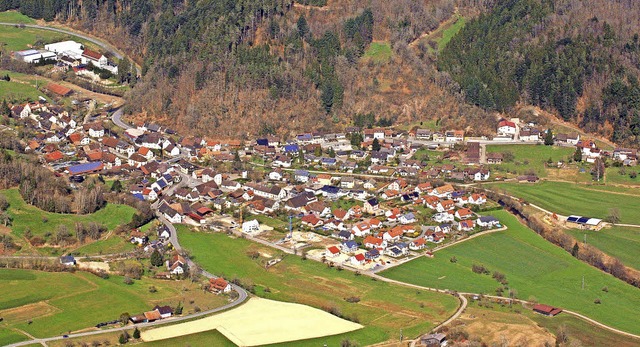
point(505, 329)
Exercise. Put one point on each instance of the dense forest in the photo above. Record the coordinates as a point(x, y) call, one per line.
point(563, 56)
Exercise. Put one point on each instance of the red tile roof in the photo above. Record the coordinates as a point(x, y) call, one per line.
point(91, 54)
point(58, 89)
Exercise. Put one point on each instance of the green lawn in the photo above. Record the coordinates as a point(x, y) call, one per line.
point(568, 199)
point(17, 39)
point(27, 216)
point(534, 268)
point(383, 310)
point(622, 243)
point(378, 52)
point(8, 336)
point(619, 175)
point(450, 32)
point(15, 17)
point(62, 302)
point(16, 92)
point(529, 158)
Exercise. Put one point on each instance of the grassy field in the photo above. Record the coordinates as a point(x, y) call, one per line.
point(529, 158)
point(534, 268)
point(383, 309)
point(449, 32)
point(378, 52)
point(113, 244)
point(81, 300)
point(8, 336)
point(568, 198)
point(622, 243)
point(15, 17)
point(618, 175)
point(40, 222)
point(15, 92)
point(17, 39)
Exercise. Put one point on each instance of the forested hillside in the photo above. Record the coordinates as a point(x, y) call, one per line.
point(232, 68)
point(579, 59)
point(235, 67)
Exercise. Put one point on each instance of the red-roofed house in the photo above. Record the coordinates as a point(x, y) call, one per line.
point(219, 285)
point(393, 235)
point(507, 128)
point(94, 57)
point(374, 242)
point(333, 251)
point(464, 213)
point(53, 156)
point(358, 259)
point(418, 244)
point(312, 221)
point(466, 225)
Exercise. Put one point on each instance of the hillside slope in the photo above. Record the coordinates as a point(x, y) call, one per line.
point(579, 59)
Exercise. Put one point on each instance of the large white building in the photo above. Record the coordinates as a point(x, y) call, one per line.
point(71, 49)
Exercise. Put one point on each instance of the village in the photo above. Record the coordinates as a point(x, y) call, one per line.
point(362, 199)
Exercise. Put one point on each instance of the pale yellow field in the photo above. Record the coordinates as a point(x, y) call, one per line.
point(261, 322)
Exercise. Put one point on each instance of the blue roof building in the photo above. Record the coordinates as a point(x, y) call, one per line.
point(85, 168)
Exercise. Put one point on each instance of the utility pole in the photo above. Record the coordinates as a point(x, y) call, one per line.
point(582, 282)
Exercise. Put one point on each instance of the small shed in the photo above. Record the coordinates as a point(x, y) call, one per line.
point(547, 310)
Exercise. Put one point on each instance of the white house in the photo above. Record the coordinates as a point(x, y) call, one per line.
point(251, 226)
point(506, 127)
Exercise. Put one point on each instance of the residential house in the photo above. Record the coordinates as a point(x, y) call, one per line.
point(487, 221)
point(466, 225)
point(332, 252)
point(358, 259)
point(349, 246)
point(219, 285)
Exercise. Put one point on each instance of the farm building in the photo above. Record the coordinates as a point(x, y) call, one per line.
point(546, 310)
point(584, 223)
point(34, 56)
point(68, 48)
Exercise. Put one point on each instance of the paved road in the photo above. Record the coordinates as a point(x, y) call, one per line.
point(116, 118)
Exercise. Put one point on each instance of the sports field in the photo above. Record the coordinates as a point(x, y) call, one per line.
point(572, 199)
point(383, 308)
point(620, 242)
point(259, 322)
point(534, 268)
point(57, 303)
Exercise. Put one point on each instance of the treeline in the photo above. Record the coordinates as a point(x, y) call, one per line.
point(41, 188)
point(527, 52)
